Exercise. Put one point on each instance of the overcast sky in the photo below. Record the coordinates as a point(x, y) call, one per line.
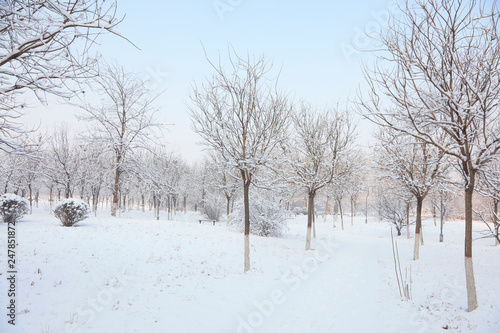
point(316, 45)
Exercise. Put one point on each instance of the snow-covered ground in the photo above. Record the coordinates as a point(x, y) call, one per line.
point(136, 274)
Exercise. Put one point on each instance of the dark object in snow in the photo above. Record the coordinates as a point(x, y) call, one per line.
point(213, 221)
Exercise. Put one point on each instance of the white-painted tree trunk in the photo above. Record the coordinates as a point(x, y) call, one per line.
point(247, 253)
point(417, 246)
point(471, 285)
point(114, 208)
point(246, 200)
point(310, 218)
point(314, 225)
point(469, 271)
point(341, 215)
point(308, 238)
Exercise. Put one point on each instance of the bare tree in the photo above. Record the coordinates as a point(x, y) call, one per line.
point(355, 182)
point(415, 165)
point(32, 169)
point(94, 169)
point(439, 73)
point(393, 209)
point(202, 183)
point(338, 190)
point(37, 52)
point(225, 180)
point(10, 169)
point(322, 141)
point(241, 114)
point(124, 118)
point(489, 187)
point(63, 160)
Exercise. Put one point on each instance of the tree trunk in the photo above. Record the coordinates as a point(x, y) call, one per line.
point(408, 220)
point(469, 271)
point(37, 195)
point(434, 212)
point(174, 202)
point(441, 213)
point(421, 235)
point(341, 215)
point(418, 228)
point(366, 205)
point(310, 212)
point(31, 198)
point(379, 214)
point(495, 220)
point(169, 211)
point(326, 208)
point(51, 199)
point(173, 207)
point(119, 205)
point(228, 208)
point(335, 211)
point(115, 189)
point(352, 213)
point(95, 200)
point(246, 188)
point(157, 207)
point(314, 223)
point(67, 190)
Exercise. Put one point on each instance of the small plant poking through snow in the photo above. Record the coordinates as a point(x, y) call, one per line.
point(393, 210)
point(13, 207)
point(404, 281)
point(266, 217)
point(71, 211)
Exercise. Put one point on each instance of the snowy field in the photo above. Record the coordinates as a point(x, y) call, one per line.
point(136, 274)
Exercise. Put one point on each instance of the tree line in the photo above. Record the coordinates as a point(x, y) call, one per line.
point(433, 91)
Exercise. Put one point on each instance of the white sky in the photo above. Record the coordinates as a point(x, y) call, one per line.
point(311, 42)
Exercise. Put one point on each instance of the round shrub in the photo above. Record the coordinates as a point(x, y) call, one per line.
point(266, 216)
point(300, 211)
point(71, 211)
point(13, 207)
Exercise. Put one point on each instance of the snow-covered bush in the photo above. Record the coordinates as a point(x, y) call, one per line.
point(300, 211)
point(266, 217)
point(13, 207)
point(212, 208)
point(71, 211)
